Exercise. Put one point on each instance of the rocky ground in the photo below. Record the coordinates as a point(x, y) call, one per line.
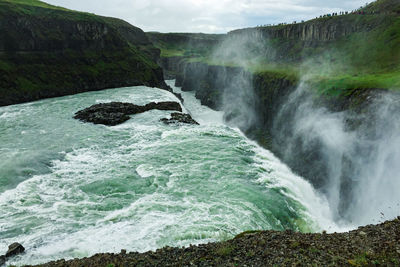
point(373, 245)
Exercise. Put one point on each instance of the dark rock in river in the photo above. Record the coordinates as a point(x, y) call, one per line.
point(14, 249)
point(169, 105)
point(115, 113)
point(2, 260)
point(180, 118)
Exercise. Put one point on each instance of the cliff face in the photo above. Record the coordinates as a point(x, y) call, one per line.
point(38, 33)
point(214, 86)
point(268, 106)
point(312, 32)
point(47, 51)
point(374, 35)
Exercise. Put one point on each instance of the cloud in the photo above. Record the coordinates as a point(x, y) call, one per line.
point(210, 16)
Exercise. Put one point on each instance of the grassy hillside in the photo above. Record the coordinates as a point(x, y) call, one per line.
point(386, 6)
point(48, 51)
point(337, 54)
point(33, 3)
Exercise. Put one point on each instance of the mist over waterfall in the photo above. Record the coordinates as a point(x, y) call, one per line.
point(238, 102)
point(353, 158)
point(238, 97)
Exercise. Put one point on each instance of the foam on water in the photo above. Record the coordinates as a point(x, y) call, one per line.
point(141, 185)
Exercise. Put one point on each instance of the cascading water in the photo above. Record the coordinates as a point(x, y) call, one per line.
point(354, 159)
point(71, 189)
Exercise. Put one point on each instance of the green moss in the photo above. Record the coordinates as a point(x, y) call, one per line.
point(247, 233)
point(360, 260)
point(225, 250)
point(372, 259)
point(5, 66)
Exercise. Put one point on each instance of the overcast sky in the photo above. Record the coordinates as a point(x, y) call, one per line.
point(208, 16)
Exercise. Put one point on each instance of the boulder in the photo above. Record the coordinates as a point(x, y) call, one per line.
point(14, 249)
point(2, 260)
point(115, 113)
point(180, 118)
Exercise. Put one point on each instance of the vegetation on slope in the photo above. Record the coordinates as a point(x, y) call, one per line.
point(49, 51)
point(346, 53)
point(193, 45)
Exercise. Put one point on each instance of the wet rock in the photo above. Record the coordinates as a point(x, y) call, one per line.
point(14, 249)
point(179, 96)
point(110, 119)
point(115, 113)
point(2, 260)
point(180, 118)
point(168, 105)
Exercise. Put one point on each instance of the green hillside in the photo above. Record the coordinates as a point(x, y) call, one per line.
point(337, 54)
point(48, 51)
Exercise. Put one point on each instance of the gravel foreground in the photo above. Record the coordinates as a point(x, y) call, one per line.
point(372, 245)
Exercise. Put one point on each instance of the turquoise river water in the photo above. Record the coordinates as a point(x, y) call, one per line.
point(71, 189)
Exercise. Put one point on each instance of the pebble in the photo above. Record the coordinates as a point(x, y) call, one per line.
point(268, 248)
point(361, 233)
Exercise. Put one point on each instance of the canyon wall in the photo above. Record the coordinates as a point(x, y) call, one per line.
point(47, 51)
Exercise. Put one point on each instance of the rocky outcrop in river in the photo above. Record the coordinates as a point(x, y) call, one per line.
point(13, 250)
point(180, 118)
point(115, 113)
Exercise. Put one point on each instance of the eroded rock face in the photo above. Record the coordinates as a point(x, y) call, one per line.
point(115, 113)
point(180, 118)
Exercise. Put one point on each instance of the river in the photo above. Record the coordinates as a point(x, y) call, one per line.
point(71, 189)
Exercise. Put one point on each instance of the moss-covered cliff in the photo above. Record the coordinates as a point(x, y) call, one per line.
point(48, 51)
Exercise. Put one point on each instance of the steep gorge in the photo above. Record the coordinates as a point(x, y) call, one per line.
point(47, 51)
point(330, 130)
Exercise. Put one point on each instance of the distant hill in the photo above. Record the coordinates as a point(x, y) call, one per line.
point(339, 52)
point(185, 44)
point(48, 51)
point(388, 6)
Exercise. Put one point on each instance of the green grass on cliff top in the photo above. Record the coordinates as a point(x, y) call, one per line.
point(35, 3)
point(41, 9)
point(369, 58)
